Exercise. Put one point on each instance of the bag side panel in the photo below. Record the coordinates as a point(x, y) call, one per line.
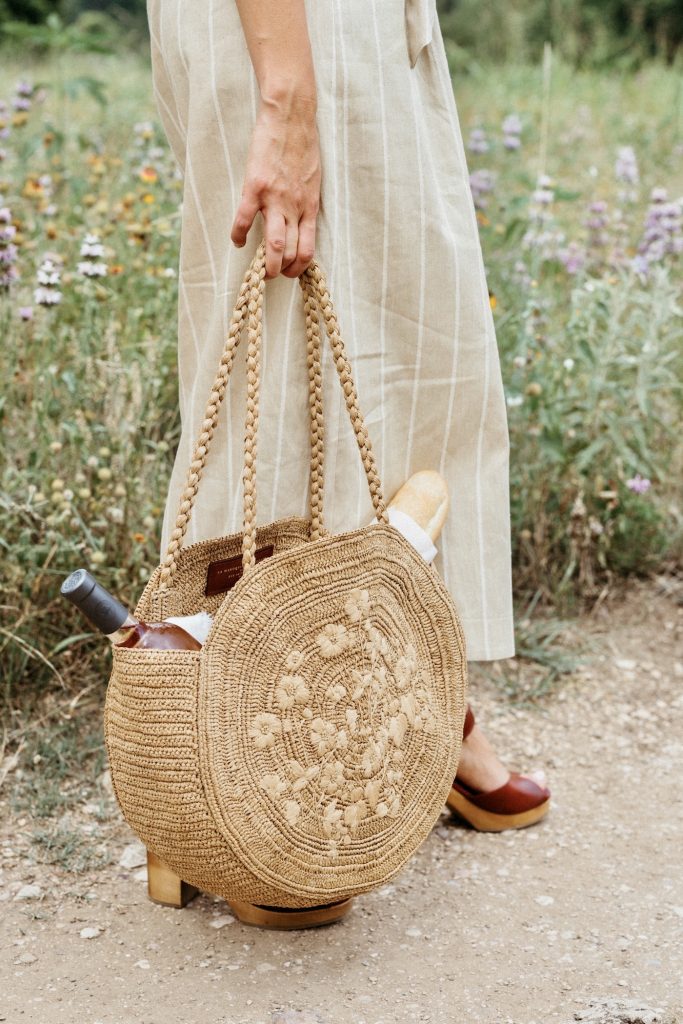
point(150, 727)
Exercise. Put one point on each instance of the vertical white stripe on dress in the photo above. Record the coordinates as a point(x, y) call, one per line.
point(385, 246)
point(420, 314)
point(348, 332)
point(181, 129)
point(224, 297)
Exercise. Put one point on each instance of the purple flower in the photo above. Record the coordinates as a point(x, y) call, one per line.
point(26, 312)
point(663, 231)
point(8, 250)
point(596, 223)
point(573, 257)
point(638, 484)
point(640, 266)
point(477, 141)
point(481, 183)
point(8, 253)
point(23, 88)
point(626, 166)
point(512, 127)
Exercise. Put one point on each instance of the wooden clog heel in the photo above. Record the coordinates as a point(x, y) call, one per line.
point(290, 917)
point(164, 886)
point(517, 803)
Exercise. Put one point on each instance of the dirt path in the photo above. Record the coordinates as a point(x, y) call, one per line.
point(576, 918)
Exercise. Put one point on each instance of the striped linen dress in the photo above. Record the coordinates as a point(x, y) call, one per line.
point(398, 242)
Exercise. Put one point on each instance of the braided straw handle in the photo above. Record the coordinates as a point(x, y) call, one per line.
point(249, 310)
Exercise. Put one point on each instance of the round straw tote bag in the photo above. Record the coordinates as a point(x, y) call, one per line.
point(306, 751)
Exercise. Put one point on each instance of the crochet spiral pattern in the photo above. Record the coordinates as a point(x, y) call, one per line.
point(306, 751)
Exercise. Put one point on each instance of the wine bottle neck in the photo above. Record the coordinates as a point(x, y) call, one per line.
point(123, 632)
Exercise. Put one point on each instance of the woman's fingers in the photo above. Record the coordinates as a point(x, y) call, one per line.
point(305, 248)
point(244, 218)
point(292, 241)
point(276, 239)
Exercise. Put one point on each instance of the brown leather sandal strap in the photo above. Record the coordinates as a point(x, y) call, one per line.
point(469, 723)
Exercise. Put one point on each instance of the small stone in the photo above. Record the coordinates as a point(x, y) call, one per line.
point(142, 964)
point(24, 959)
point(544, 901)
point(626, 664)
point(296, 1017)
point(141, 874)
point(29, 892)
point(413, 933)
point(134, 856)
point(90, 933)
point(221, 921)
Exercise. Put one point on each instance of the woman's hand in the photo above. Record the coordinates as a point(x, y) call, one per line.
point(282, 180)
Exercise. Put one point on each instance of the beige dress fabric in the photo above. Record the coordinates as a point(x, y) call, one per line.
point(397, 238)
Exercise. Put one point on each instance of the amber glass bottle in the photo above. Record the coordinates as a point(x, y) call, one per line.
point(113, 619)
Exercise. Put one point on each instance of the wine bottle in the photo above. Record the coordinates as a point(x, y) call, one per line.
point(113, 619)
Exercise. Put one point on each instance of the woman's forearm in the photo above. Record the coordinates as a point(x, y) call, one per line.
point(277, 37)
point(283, 171)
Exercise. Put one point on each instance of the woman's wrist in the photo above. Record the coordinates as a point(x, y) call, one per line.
point(291, 99)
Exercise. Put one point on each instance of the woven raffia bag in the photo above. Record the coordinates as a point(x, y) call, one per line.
point(306, 751)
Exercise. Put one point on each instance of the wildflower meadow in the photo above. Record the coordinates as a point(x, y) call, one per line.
point(578, 185)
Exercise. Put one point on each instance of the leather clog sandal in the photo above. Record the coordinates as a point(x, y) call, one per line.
point(517, 803)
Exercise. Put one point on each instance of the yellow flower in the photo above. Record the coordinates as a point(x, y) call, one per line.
point(264, 730)
point(333, 639)
point(148, 174)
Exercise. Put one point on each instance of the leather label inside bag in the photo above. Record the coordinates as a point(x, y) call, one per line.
point(221, 576)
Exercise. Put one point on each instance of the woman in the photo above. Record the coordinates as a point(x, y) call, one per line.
point(329, 127)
